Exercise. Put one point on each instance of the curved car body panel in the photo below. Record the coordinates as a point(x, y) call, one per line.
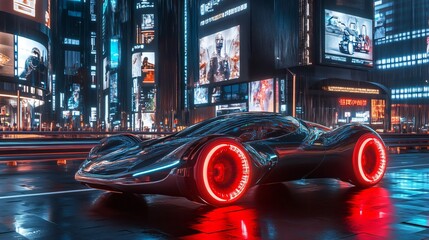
point(280, 149)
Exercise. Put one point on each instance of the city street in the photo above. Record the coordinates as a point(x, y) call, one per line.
point(43, 201)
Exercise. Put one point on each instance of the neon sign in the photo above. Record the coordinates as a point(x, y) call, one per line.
point(352, 102)
point(351, 90)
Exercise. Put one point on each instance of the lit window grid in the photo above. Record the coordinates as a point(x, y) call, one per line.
point(403, 61)
point(403, 36)
point(71, 41)
point(410, 93)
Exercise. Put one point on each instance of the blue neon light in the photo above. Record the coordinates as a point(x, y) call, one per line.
point(156, 169)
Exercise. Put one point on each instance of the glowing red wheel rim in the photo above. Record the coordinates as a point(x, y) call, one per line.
point(222, 172)
point(370, 160)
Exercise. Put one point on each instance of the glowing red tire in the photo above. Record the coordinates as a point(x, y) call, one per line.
point(222, 172)
point(369, 161)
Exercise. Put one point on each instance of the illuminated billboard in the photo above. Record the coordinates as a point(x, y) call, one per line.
point(74, 99)
point(32, 61)
point(143, 65)
point(36, 10)
point(145, 22)
point(6, 55)
point(106, 73)
point(114, 53)
point(348, 39)
point(148, 121)
point(148, 98)
point(113, 88)
point(201, 95)
point(378, 107)
point(219, 58)
point(261, 96)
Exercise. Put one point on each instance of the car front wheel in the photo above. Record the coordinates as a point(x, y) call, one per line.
point(222, 172)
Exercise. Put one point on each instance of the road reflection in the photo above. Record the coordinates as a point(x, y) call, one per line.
point(268, 212)
point(371, 211)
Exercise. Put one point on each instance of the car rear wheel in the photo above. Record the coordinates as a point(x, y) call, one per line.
point(369, 161)
point(222, 172)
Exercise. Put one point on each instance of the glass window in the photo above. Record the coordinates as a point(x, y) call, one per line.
point(71, 62)
point(247, 127)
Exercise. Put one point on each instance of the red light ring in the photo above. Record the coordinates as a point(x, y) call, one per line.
point(381, 160)
point(239, 185)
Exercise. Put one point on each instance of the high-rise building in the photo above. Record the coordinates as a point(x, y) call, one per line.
point(25, 64)
point(74, 99)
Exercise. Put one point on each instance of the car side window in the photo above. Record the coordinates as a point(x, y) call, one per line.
point(263, 129)
point(280, 127)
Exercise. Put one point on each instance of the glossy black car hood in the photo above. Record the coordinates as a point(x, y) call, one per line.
point(136, 157)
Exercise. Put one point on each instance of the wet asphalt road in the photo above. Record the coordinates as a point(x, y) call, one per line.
point(43, 201)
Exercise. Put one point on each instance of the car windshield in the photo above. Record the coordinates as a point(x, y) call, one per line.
point(252, 126)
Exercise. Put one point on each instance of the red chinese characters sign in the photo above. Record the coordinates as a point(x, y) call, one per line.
point(352, 102)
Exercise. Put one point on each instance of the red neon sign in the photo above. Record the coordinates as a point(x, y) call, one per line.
point(352, 102)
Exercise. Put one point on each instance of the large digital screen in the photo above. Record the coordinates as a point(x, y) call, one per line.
point(143, 65)
point(216, 94)
point(114, 53)
point(145, 22)
point(145, 28)
point(74, 99)
point(36, 10)
point(220, 56)
point(378, 107)
point(261, 96)
point(114, 88)
point(6, 55)
point(348, 39)
point(106, 73)
point(201, 95)
point(148, 98)
point(32, 61)
point(148, 121)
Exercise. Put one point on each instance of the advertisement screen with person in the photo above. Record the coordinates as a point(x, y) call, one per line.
point(220, 56)
point(261, 97)
point(32, 61)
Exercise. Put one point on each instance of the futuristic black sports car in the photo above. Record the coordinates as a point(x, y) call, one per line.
point(217, 160)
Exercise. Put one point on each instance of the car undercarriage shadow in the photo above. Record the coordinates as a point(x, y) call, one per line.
point(111, 203)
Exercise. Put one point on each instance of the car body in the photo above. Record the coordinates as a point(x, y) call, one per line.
point(216, 161)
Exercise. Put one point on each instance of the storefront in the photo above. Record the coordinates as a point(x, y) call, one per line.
point(23, 116)
point(335, 102)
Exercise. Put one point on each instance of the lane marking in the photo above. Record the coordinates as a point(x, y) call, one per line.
point(47, 193)
point(406, 166)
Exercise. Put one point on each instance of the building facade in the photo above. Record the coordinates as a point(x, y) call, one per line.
point(25, 69)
